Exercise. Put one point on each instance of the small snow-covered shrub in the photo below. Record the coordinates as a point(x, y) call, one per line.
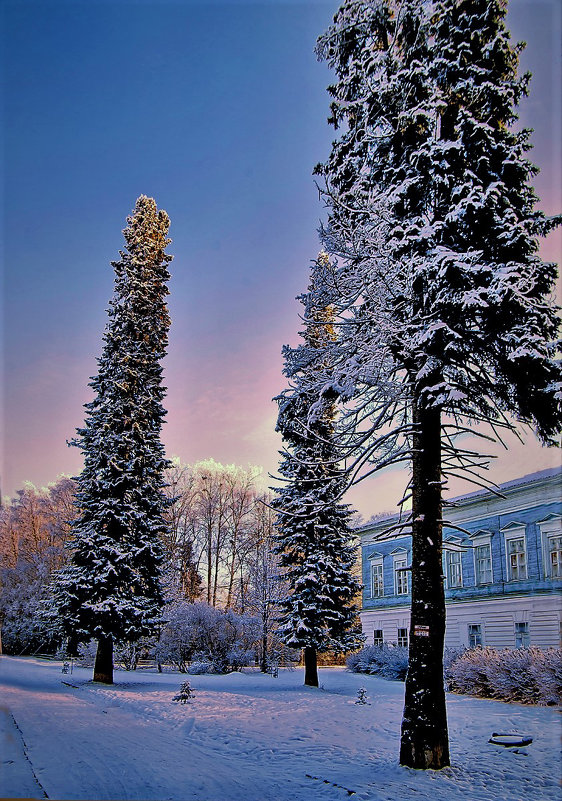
point(387, 661)
point(87, 653)
point(528, 675)
point(185, 694)
point(362, 697)
point(198, 668)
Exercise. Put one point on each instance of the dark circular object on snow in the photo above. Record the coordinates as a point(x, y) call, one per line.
point(512, 739)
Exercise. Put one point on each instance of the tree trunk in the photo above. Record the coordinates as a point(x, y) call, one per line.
point(103, 668)
point(209, 564)
point(424, 742)
point(310, 667)
point(72, 645)
point(264, 654)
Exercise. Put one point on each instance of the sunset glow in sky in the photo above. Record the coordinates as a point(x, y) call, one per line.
point(218, 111)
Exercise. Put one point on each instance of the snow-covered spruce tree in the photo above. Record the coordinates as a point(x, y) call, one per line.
point(434, 220)
point(313, 530)
point(111, 589)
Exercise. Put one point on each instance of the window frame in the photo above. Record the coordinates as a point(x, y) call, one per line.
point(473, 634)
point(550, 552)
point(402, 641)
point(482, 540)
point(516, 532)
point(550, 529)
point(377, 639)
point(376, 564)
point(451, 547)
point(522, 634)
point(400, 565)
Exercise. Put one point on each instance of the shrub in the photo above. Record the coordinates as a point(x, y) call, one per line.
point(528, 675)
point(201, 633)
point(127, 654)
point(24, 631)
point(387, 661)
point(185, 694)
point(87, 653)
point(197, 668)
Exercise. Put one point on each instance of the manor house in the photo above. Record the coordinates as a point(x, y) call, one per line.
point(502, 570)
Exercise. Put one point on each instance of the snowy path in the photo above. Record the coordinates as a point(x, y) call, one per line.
point(252, 738)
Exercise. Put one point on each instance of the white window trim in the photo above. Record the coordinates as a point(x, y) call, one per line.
point(452, 545)
point(550, 527)
point(515, 531)
point(482, 538)
point(407, 637)
point(375, 562)
point(527, 633)
point(481, 627)
point(381, 629)
point(400, 555)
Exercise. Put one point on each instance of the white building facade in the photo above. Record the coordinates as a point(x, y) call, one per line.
point(502, 568)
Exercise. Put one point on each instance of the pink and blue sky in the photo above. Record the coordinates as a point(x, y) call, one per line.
point(218, 111)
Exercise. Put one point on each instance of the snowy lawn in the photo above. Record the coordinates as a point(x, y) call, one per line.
point(252, 737)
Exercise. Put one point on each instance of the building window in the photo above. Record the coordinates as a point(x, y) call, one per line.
point(474, 635)
point(453, 569)
point(402, 641)
point(377, 637)
point(401, 577)
point(554, 554)
point(551, 541)
point(483, 563)
point(516, 559)
point(377, 585)
point(522, 637)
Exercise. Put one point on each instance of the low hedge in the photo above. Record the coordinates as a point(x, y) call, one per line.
point(526, 675)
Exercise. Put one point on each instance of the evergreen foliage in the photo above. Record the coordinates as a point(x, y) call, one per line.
point(314, 534)
point(445, 305)
point(185, 693)
point(429, 187)
point(111, 590)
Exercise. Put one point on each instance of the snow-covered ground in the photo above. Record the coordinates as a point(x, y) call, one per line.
point(252, 737)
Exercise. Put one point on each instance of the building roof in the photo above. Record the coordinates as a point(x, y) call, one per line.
point(506, 488)
point(530, 478)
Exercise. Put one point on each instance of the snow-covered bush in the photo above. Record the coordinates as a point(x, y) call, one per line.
point(201, 633)
point(450, 656)
point(87, 653)
point(528, 675)
point(23, 630)
point(198, 668)
point(362, 697)
point(127, 654)
point(387, 661)
point(185, 694)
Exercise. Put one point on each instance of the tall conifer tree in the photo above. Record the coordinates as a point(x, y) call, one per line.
point(111, 590)
point(432, 214)
point(314, 534)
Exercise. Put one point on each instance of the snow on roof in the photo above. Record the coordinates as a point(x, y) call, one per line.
point(530, 478)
